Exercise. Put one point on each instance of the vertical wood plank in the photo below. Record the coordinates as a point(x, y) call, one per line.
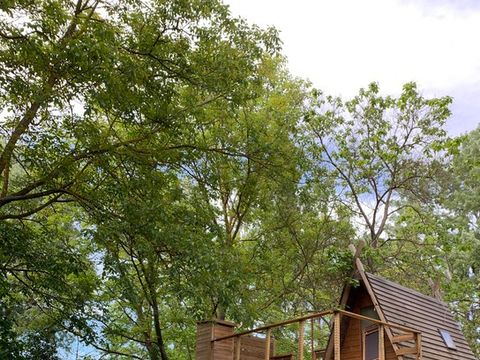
point(419, 346)
point(336, 336)
point(301, 330)
point(312, 337)
point(274, 348)
point(212, 344)
point(381, 343)
point(267, 344)
point(238, 348)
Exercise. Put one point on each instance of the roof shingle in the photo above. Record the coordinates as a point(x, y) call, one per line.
point(408, 307)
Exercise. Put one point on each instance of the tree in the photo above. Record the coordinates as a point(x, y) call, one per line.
point(378, 148)
point(461, 253)
point(83, 79)
point(46, 280)
point(167, 240)
point(155, 248)
point(159, 165)
point(260, 163)
point(439, 250)
point(88, 84)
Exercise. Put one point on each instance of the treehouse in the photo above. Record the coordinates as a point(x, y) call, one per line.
point(377, 320)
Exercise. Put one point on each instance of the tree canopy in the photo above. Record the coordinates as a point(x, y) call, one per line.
point(159, 165)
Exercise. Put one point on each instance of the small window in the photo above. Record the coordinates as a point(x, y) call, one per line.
point(370, 344)
point(447, 339)
point(369, 312)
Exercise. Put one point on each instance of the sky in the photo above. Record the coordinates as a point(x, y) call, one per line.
point(343, 45)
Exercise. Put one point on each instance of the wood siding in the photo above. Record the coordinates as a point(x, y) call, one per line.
point(253, 348)
point(352, 348)
point(206, 331)
point(407, 307)
point(352, 344)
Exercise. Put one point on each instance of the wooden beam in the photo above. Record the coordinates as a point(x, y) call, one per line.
point(406, 351)
point(356, 250)
point(301, 331)
point(238, 349)
point(404, 337)
point(381, 343)
point(379, 322)
point(212, 344)
point(419, 346)
point(267, 344)
point(336, 336)
point(312, 338)
point(276, 325)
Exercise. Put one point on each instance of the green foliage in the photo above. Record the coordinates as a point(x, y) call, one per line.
point(461, 188)
point(437, 240)
point(79, 82)
point(159, 165)
point(94, 92)
point(47, 280)
point(377, 148)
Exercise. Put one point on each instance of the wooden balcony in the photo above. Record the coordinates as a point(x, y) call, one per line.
point(260, 343)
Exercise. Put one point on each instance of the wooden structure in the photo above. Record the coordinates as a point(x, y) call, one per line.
point(435, 334)
point(442, 338)
point(376, 320)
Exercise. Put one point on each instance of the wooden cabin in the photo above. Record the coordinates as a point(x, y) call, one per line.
point(440, 337)
point(377, 319)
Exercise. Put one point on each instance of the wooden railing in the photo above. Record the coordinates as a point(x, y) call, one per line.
point(406, 341)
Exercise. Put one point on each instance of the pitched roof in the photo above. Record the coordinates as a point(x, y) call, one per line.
point(408, 307)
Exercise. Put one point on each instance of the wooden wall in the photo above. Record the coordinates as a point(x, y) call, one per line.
point(251, 347)
point(206, 331)
point(352, 347)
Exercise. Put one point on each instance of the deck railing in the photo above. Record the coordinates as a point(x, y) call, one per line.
point(406, 341)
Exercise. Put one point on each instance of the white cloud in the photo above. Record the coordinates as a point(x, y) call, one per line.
point(342, 45)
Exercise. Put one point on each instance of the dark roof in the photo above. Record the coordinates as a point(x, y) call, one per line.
point(408, 307)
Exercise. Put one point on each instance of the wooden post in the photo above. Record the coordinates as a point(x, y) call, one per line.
point(301, 329)
point(238, 349)
point(321, 323)
point(212, 344)
point(336, 336)
point(312, 337)
point(274, 349)
point(381, 343)
point(419, 346)
point(267, 344)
